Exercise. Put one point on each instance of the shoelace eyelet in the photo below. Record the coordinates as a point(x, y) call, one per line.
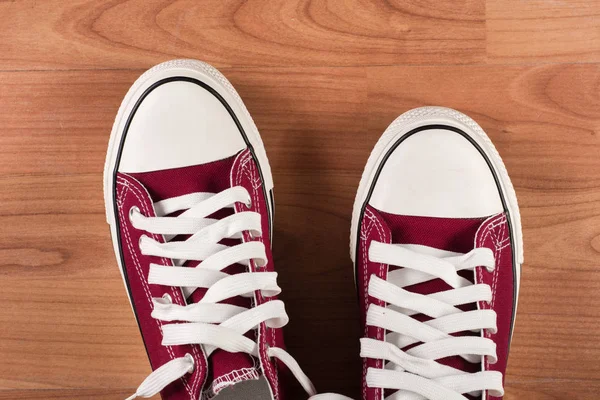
point(249, 203)
point(259, 266)
point(167, 297)
point(131, 211)
point(189, 357)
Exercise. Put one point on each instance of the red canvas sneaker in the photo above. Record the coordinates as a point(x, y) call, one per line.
point(188, 193)
point(437, 248)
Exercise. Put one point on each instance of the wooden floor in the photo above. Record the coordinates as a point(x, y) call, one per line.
point(322, 79)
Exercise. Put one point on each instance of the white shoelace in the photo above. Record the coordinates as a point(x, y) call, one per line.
point(209, 323)
point(415, 373)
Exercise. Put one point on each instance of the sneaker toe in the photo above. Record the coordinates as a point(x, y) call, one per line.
point(436, 173)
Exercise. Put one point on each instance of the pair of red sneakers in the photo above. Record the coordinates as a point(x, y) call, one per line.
point(435, 239)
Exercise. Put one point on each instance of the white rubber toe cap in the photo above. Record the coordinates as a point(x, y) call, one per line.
point(177, 124)
point(436, 173)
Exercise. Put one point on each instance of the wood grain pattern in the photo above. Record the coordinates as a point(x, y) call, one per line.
point(137, 33)
point(542, 30)
point(322, 80)
point(60, 34)
point(75, 394)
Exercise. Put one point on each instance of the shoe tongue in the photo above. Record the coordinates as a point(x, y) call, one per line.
point(224, 369)
point(228, 369)
point(450, 234)
point(212, 177)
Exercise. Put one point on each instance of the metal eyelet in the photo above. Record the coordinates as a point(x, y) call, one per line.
point(249, 203)
point(167, 298)
point(131, 211)
point(254, 235)
point(191, 359)
point(260, 266)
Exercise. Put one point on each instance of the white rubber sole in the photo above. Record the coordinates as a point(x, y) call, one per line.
point(443, 116)
point(194, 69)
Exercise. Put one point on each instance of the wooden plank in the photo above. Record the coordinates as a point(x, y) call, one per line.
point(544, 390)
point(59, 34)
point(67, 320)
point(68, 394)
point(59, 123)
point(542, 31)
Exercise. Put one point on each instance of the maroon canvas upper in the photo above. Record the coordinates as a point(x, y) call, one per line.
point(494, 234)
point(452, 234)
point(142, 190)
